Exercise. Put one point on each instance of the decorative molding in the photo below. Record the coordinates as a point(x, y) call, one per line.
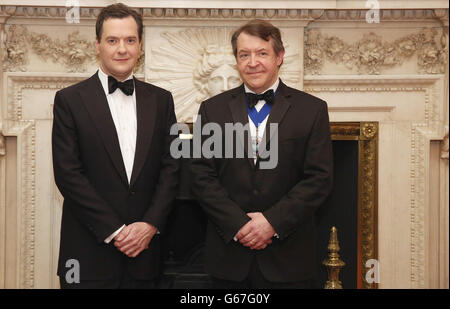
point(366, 134)
point(237, 13)
point(385, 15)
point(25, 132)
point(369, 130)
point(218, 14)
point(368, 199)
point(28, 218)
point(419, 193)
point(344, 130)
point(385, 84)
point(370, 55)
point(17, 82)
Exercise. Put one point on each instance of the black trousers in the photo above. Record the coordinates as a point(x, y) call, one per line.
point(126, 282)
point(256, 280)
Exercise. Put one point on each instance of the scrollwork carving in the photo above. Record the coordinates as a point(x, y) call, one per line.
point(370, 55)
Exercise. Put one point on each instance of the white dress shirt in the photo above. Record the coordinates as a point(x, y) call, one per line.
point(258, 106)
point(262, 125)
point(123, 112)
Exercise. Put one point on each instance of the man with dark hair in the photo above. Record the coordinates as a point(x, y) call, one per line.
point(118, 10)
point(112, 164)
point(261, 227)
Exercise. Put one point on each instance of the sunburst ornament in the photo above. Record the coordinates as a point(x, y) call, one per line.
point(197, 64)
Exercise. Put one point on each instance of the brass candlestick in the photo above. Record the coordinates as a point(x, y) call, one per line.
point(333, 263)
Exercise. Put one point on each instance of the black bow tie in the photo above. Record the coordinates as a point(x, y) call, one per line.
point(253, 98)
point(127, 86)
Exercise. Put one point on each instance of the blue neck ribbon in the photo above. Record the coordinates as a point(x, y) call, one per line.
point(258, 117)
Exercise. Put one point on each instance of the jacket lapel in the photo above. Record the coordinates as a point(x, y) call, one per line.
point(239, 113)
point(146, 115)
point(94, 99)
point(277, 113)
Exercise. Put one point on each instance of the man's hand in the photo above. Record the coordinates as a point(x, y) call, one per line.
point(134, 238)
point(256, 233)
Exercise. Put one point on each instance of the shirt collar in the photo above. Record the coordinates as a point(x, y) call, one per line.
point(104, 79)
point(273, 87)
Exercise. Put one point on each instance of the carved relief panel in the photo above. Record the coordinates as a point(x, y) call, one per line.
point(197, 63)
point(41, 48)
point(385, 51)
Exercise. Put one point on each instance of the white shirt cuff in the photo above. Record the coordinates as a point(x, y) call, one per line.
point(111, 237)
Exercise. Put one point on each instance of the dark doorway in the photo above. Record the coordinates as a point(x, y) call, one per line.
point(341, 211)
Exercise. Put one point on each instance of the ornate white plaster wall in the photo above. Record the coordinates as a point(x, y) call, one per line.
point(394, 72)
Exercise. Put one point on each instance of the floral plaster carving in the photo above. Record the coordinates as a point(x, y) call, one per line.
point(370, 55)
point(75, 52)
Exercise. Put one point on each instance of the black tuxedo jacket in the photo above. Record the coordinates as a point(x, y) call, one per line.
point(288, 195)
point(90, 173)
